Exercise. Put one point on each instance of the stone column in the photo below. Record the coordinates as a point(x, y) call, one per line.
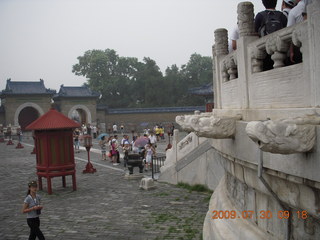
point(221, 41)
point(246, 19)
point(247, 35)
point(313, 11)
point(220, 50)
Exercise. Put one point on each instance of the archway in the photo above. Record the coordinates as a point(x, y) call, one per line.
point(27, 116)
point(80, 113)
point(29, 106)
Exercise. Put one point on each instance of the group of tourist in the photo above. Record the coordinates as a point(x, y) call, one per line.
point(112, 145)
point(87, 129)
point(271, 20)
point(110, 148)
point(158, 129)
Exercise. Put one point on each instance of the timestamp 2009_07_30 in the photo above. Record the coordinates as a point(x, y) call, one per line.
point(263, 214)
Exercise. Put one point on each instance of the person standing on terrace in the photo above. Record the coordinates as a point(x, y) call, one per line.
point(269, 20)
point(286, 7)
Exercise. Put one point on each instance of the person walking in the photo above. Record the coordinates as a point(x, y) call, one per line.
point(114, 152)
point(114, 128)
point(76, 135)
point(94, 131)
point(103, 146)
point(149, 152)
point(122, 129)
point(32, 206)
point(153, 139)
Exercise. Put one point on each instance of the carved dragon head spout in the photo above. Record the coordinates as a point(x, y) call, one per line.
point(182, 120)
point(281, 137)
point(206, 125)
point(257, 132)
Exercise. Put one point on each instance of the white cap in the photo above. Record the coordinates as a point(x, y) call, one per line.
point(290, 2)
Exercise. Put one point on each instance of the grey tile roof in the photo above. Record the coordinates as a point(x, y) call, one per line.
point(76, 92)
point(204, 90)
point(155, 110)
point(24, 87)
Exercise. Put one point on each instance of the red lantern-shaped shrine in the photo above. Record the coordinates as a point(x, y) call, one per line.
point(53, 135)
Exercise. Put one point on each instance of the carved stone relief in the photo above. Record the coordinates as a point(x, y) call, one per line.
point(209, 126)
point(184, 143)
point(283, 136)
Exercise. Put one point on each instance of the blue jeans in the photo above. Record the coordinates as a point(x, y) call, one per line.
point(76, 144)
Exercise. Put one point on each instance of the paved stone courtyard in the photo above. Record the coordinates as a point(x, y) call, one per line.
point(105, 205)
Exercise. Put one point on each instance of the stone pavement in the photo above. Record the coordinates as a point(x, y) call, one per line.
point(105, 205)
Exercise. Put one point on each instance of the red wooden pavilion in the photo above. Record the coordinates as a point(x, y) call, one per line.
point(53, 135)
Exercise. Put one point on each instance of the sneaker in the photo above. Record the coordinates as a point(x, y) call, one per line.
point(115, 164)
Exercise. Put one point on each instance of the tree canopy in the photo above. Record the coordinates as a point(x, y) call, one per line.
point(127, 82)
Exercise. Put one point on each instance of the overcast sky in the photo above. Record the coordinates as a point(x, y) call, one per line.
point(43, 38)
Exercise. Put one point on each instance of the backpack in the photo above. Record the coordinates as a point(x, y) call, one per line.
point(271, 22)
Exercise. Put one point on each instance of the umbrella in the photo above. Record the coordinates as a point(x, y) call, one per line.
point(102, 135)
point(141, 142)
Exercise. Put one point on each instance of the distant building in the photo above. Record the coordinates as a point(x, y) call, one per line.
point(24, 102)
point(205, 91)
point(78, 103)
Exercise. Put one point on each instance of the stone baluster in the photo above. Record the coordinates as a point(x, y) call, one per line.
point(224, 72)
point(232, 69)
point(297, 36)
point(278, 49)
point(246, 19)
point(257, 56)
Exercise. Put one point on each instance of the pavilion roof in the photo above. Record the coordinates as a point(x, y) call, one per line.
point(52, 120)
point(204, 90)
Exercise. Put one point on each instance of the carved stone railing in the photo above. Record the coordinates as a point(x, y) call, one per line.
point(277, 45)
point(240, 76)
point(229, 67)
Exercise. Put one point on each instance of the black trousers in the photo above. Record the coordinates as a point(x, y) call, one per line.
point(34, 225)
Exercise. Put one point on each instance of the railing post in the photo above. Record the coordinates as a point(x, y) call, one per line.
point(247, 34)
point(246, 19)
point(220, 49)
point(313, 37)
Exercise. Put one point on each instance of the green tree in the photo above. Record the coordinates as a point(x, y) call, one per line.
point(126, 82)
point(109, 74)
point(197, 72)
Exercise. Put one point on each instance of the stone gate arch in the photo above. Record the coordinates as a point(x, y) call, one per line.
point(22, 107)
point(84, 108)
